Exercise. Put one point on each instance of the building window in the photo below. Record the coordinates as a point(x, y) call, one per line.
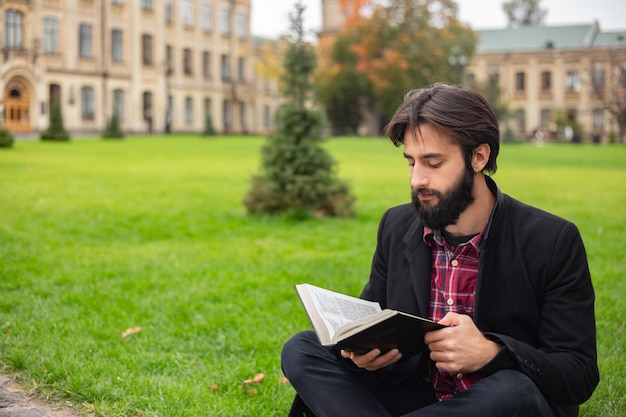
point(242, 116)
point(622, 80)
point(87, 103)
point(225, 67)
point(147, 105)
point(146, 48)
point(207, 108)
point(117, 2)
point(598, 119)
point(118, 104)
point(241, 69)
point(13, 29)
point(520, 81)
point(224, 21)
point(189, 110)
point(206, 17)
point(241, 25)
point(50, 36)
point(146, 4)
point(520, 120)
point(266, 116)
point(546, 116)
point(187, 67)
point(55, 94)
point(546, 81)
point(187, 13)
point(169, 60)
point(572, 81)
point(597, 78)
point(85, 47)
point(169, 12)
point(227, 112)
point(206, 64)
point(117, 46)
point(493, 74)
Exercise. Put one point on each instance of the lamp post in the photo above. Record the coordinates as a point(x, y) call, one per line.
point(458, 62)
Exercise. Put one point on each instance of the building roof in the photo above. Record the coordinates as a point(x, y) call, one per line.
point(608, 39)
point(537, 37)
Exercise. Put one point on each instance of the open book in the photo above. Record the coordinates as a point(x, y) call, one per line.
point(346, 322)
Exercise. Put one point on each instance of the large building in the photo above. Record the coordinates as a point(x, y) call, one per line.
point(157, 64)
point(571, 72)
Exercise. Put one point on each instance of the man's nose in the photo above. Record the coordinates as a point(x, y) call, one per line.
point(418, 179)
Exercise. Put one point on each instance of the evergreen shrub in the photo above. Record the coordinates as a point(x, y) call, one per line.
point(55, 131)
point(298, 175)
point(6, 138)
point(113, 130)
point(209, 129)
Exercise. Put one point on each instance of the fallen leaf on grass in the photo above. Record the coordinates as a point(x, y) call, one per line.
point(251, 392)
point(130, 331)
point(258, 378)
point(214, 387)
point(284, 380)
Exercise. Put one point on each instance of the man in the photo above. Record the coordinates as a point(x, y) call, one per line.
point(511, 282)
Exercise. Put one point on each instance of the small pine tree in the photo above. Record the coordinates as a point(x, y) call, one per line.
point(297, 174)
point(209, 130)
point(55, 131)
point(113, 130)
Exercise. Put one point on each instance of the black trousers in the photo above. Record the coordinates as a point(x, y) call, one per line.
point(329, 388)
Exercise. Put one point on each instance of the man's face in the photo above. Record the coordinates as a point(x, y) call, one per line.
point(441, 184)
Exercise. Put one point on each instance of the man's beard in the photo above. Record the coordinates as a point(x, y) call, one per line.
point(451, 204)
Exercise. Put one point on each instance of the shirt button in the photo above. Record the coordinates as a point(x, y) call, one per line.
point(450, 301)
point(455, 262)
point(459, 376)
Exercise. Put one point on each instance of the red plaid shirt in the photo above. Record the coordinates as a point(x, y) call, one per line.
point(453, 287)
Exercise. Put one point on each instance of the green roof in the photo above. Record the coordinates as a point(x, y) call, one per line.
point(539, 37)
point(608, 39)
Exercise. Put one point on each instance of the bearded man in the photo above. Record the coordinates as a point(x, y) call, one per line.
point(510, 281)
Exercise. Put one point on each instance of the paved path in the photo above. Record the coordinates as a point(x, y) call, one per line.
point(15, 401)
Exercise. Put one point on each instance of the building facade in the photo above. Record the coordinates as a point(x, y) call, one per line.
point(573, 73)
point(159, 65)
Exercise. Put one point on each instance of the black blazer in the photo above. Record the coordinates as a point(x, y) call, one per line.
point(534, 295)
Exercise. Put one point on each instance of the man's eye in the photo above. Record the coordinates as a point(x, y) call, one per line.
point(434, 165)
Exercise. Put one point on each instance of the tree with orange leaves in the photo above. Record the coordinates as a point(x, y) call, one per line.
point(397, 46)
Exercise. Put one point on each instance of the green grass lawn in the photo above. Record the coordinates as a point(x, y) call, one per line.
point(101, 236)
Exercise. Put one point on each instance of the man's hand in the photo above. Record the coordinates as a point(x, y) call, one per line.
point(460, 348)
point(373, 359)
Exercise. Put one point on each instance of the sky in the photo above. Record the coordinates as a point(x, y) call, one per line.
point(270, 18)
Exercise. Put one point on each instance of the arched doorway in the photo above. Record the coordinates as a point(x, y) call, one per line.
point(16, 106)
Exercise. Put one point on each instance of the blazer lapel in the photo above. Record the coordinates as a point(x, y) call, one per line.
point(419, 259)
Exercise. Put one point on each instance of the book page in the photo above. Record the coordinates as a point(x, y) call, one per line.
point(338, 309)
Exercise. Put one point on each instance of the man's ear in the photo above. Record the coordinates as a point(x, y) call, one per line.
point(480, 157)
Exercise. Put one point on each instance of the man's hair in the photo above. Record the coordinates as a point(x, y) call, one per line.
point(458, 112)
